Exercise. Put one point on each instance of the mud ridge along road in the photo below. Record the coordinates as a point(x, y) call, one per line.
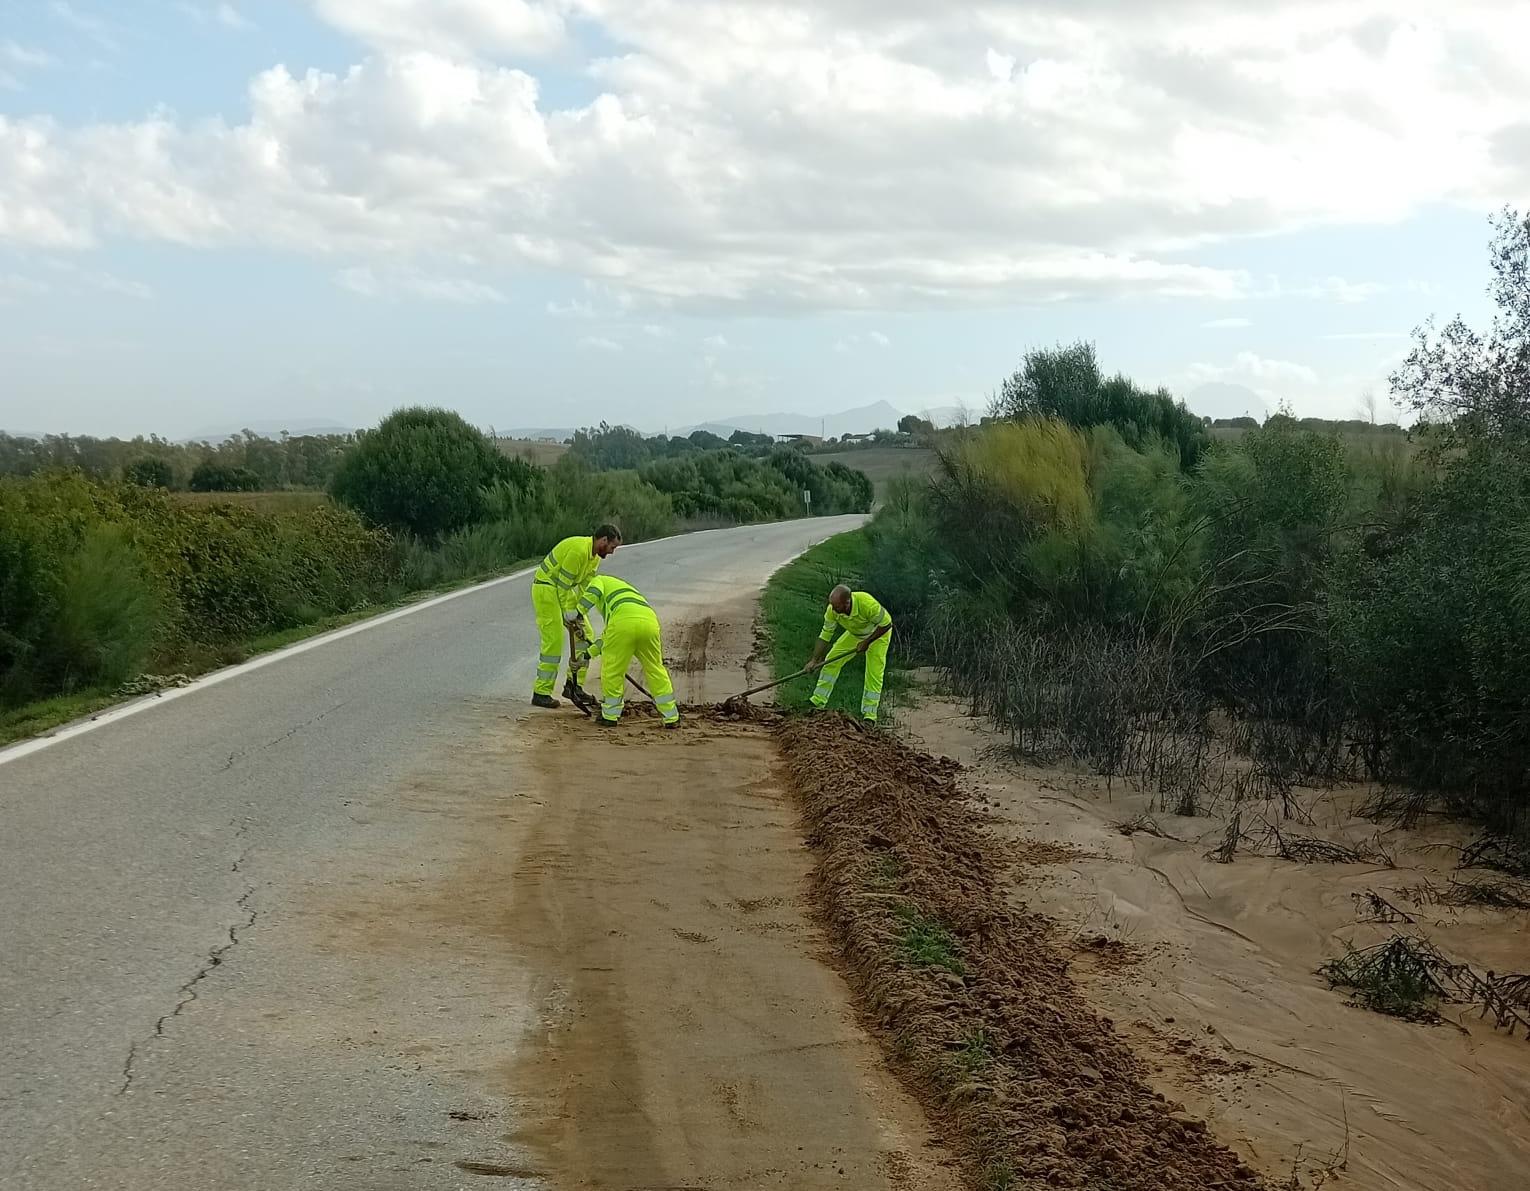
point(360, 919)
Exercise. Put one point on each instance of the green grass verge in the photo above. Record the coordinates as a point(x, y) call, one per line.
point(791, 612)
point(34, 719)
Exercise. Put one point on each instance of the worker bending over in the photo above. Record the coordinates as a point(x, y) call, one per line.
point(631, 630)
point(867, 630)
point(555, 593)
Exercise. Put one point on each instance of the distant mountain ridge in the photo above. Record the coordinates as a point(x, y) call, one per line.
point(274, 428)
point(880, 415)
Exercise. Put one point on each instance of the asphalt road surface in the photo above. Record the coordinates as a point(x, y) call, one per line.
point(177, 1007)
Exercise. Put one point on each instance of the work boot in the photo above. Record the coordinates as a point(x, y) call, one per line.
point(546, 701)
point(672, 727)
point(602, 722)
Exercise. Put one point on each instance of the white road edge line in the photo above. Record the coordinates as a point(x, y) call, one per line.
point(122, 711)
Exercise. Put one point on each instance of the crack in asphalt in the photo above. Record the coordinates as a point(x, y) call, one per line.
point(187, 993)
point(235, 757)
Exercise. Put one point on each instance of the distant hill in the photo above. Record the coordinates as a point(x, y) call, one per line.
point(862, 420)
point(273, 429)
point(1223, 400)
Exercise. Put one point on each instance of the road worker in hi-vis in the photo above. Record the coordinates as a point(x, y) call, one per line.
point(555, 593)
point(867, 631)
point(631, 631)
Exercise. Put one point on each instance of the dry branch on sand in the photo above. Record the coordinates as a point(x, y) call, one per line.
point(1507, 854)
point(1488, 893)
point(1372, 907)
point(1305, 849)
point(1408, 977)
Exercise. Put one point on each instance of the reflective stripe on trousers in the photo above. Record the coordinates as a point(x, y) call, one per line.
point(552, 638)
point(634, 633)
point(840, 653)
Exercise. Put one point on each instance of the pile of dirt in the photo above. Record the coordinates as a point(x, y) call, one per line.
point(740, 712)
point(972, 999)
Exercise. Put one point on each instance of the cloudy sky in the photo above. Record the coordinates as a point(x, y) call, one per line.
point(546, 212)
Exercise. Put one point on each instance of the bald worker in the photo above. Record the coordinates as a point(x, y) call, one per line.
point(867, 632)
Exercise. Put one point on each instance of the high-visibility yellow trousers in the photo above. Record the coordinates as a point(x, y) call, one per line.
point(634, 632)
point(841, 652)
point(553, 637)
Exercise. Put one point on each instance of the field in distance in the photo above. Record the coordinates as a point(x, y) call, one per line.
point(883, 463)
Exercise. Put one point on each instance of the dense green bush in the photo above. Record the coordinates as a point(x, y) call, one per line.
point(902, 546)
point(1065, 383)
point(835, 488)
point(97, 581)
point(614, 447)
point(212, 476)
point(424, 471)
point(150, 473)
point(724, 484)
point(108, 614)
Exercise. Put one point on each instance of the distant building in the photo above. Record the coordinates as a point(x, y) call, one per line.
point(803, 440)
point(854, 438)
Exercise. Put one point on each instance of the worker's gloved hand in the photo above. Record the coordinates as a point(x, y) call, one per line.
point(571, 619)
point(813, 665)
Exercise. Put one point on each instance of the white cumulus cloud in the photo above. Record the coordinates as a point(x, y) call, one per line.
point(814, 154)
point(1254, 368)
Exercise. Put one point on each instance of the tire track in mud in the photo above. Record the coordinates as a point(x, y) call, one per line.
point(973, 1001)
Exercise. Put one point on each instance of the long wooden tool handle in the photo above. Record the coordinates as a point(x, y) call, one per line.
point(769, 685)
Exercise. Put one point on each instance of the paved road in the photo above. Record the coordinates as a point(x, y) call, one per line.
point(170, 1014)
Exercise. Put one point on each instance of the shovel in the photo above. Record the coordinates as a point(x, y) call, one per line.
point(743, 696)
point(571, 689)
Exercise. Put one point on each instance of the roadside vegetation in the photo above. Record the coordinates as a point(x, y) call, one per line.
point(1221, 617)
point(108, 573)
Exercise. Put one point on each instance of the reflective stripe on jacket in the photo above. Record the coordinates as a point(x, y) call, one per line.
point(608, 595)
point(567, 568)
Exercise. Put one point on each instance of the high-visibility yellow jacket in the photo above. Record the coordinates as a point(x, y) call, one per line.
point(568, 567)
point(866, 617)
point(614, 599)
point(608, 595)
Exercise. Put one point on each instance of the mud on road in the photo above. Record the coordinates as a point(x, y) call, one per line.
point(751, 953)
point(693, 1037)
